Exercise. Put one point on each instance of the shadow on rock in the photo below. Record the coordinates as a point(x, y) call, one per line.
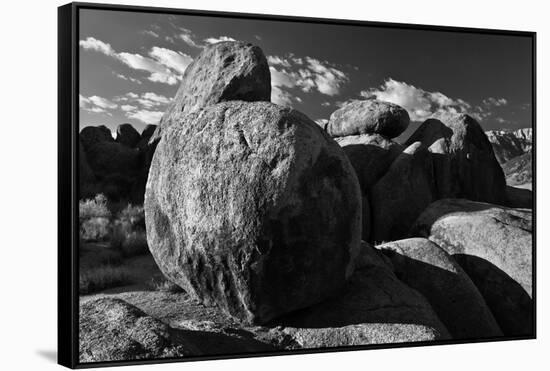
point(510, 303)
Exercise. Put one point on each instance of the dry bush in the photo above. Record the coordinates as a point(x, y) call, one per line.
point(103, 277)
point(128, 231)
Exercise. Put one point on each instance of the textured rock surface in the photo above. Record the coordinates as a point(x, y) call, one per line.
point(427, 268)
point(494, 247)
point(113, 330)
point(368, 117)
point(146, 135)
point(402, 193)
point(370, 155)
point(222, 72)
point(374, 308)
point(519, 171)
point(252, 207)
point(91, 135)
point(510, 144)
point(464, 163)
point(127, 135)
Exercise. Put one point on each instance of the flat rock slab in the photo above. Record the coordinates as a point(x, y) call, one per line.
point(113, 330)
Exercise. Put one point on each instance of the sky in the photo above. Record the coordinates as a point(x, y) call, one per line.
point(131, 65)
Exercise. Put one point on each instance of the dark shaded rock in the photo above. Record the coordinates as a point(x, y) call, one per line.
point(464, 163)
point(402, 193)
point(85, 173)
point(519, 197)
point(113, 330)
point(494, 246)
point(370, 156)
point(427, 268)
point(510, 144)
point(375, 308)
point(146, 135)
point(254, 208)
point(519, 170)
point(222, 72)
point(127, 135)
point(113, 159)
point(368, 117)
point(92, 135)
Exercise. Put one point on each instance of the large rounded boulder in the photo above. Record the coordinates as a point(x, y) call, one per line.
point(465, 165)
point(402, 194)
point(92, 135)
point(494, 246)
point(370, 155)
point(127, 135)
point(224, 71)
point(254, 208)
point(369, 117)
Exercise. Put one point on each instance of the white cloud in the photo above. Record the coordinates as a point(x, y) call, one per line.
point(277, 61)
point(215, 40)
point(146, 100)
point(146, 116)
point(102, 102)
point(164, 66)
point(497, 102)
point(159, 73)
point(150, 33)
point(95, 104)
point(127, 78)
point(327, 78)
point(82, 101)
point(311, 75)
point(175, 60)
point(128, 107)
point(281, 97)
point(97, 45)
point(420, 104)
point(187, 37)
point(160, 99)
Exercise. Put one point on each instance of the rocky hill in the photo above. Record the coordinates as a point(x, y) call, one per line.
point(510, 144)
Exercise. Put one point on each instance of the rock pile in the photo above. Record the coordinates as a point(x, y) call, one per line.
point(117, 167)
point(258, 213)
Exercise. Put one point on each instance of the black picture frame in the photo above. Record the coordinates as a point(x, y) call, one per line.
point(68, 119)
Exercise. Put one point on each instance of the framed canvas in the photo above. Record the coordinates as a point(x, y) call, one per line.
point(240, 185)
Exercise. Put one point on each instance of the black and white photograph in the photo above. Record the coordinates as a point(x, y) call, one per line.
point(269, 185)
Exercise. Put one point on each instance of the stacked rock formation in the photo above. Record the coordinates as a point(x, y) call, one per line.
point(249, 206)
point(117, 167)
point(258, 213)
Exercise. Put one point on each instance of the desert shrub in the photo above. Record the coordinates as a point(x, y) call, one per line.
point(128, 231)
point(94, 229)
point(103, 277)
point(94, 218)
point(165, 286)
point(96, 207)
point(130, 243)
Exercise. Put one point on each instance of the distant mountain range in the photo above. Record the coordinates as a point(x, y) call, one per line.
point(513, 152)
point(510, 144)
